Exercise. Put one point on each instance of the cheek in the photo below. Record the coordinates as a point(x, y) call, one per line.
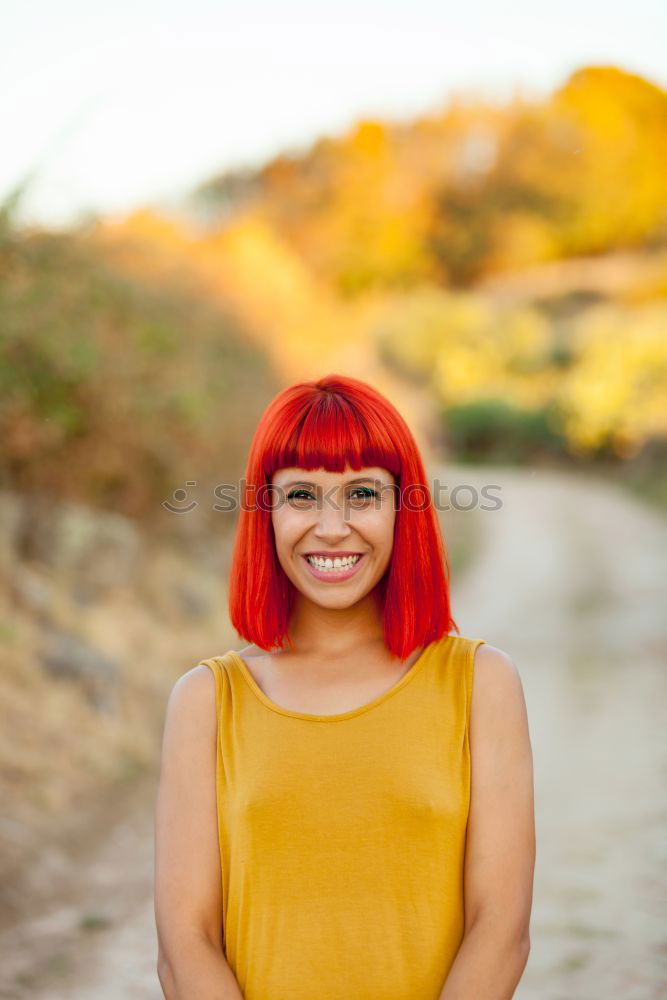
point(376, 526)
point(288, 527)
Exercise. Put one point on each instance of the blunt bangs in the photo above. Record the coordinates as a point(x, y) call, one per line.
point(333, 434)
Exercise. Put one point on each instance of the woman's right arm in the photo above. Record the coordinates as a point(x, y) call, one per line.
point(188, 895)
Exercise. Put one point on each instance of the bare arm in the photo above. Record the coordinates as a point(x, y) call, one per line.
point(188, 895)
point(500, 844)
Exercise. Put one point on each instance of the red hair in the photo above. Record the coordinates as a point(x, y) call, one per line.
point(329, 424)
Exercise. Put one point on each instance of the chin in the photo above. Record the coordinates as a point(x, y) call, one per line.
point(333, 599)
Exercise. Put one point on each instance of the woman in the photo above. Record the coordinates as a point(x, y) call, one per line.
point(345, 809)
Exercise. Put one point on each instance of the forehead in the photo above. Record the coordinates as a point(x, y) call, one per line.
point(322, 477)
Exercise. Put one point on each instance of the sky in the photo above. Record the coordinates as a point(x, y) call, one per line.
point(110, 107)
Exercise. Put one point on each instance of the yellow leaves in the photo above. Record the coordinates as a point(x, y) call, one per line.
point(414, 328)
point(296, 317)
point(370, 139)
point(520, 239)
point(465, 347)
point(505, 353)
point(248, 269)
point(618, 388)
point(619, 186)
point(343, 252)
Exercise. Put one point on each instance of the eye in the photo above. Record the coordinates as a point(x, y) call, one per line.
point(366, 492)
point(300, 494)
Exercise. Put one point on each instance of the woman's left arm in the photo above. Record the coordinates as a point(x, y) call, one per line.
point(500, 841)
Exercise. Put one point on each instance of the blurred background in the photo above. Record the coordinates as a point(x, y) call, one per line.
point(466, 206)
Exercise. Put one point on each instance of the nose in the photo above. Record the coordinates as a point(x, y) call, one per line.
point(331, 524)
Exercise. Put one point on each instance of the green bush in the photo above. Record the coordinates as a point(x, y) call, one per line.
point(114, 390)
point(494, 430)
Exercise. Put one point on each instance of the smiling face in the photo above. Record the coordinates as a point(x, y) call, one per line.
point(334, 531)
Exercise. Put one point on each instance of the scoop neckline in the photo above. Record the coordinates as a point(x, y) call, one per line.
point(338, 716)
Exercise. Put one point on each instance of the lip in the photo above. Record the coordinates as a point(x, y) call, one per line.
point(331, 576)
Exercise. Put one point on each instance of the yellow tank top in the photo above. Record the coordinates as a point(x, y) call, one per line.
point(342, 837)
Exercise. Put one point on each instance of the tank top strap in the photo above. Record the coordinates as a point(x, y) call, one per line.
point(228, 682)
point(471, 647)
point(216, 668)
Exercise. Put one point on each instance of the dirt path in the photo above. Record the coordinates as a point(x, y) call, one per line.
point(570, 580)
point(572, 583)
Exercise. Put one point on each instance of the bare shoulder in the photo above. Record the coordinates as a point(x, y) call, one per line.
point(497, 690)
point(495, 671)
point(192, 690)
point(191, 707)
point(190, 729)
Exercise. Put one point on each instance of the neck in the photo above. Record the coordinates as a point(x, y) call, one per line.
point(332, 632)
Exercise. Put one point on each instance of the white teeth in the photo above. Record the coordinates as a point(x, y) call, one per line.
point(327, 564)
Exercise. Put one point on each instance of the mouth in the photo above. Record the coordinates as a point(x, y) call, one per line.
point(333, 567)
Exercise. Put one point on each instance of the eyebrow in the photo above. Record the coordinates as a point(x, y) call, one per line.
point(303, 482)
